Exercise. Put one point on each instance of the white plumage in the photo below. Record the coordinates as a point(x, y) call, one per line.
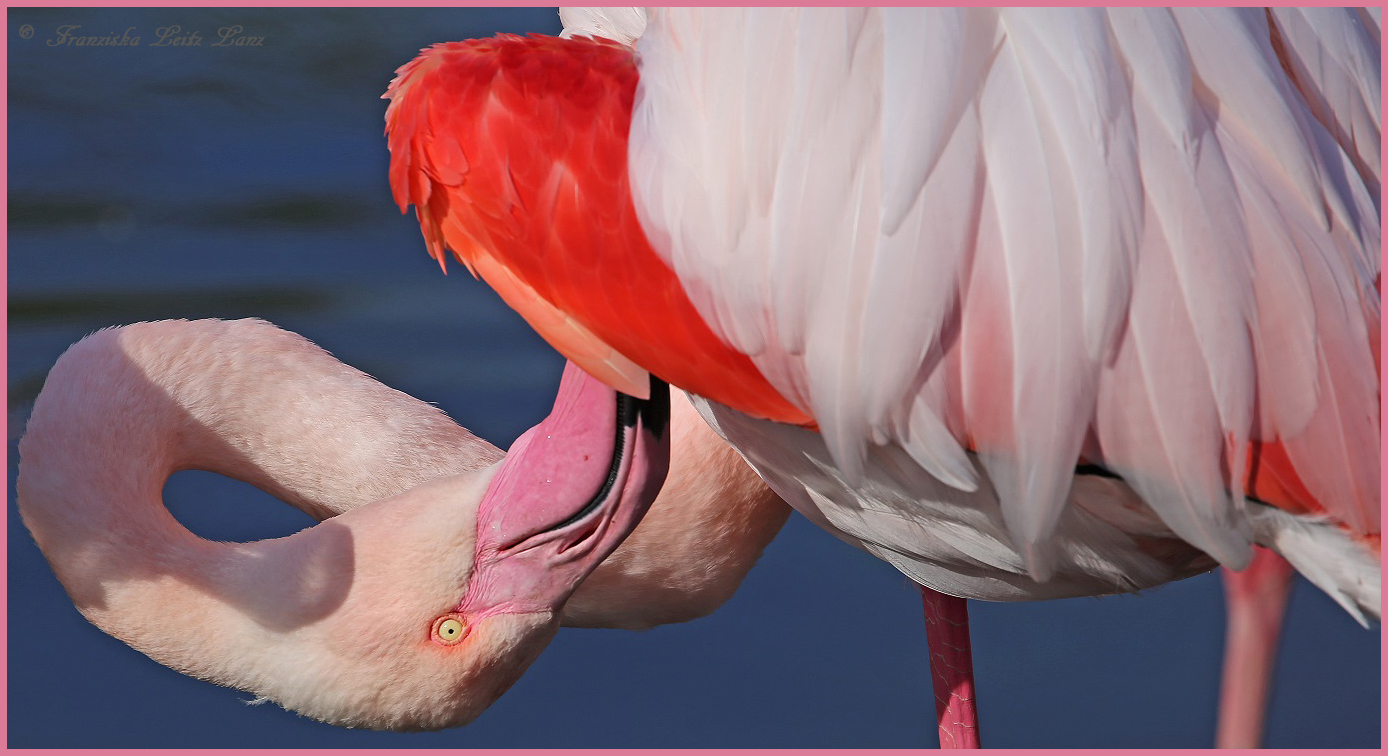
point(1144, 237)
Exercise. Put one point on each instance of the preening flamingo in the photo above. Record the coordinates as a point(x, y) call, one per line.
point(811, 627)
point(434, 583)
point(1030, 304)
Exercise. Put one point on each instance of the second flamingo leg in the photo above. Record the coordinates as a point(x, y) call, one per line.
point(1257, 601)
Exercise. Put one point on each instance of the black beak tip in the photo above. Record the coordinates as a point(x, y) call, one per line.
point(654, 413)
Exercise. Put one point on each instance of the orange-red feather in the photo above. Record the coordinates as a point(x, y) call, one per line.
point(513, 151)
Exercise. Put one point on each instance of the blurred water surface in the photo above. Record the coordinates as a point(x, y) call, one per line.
point(220, 181)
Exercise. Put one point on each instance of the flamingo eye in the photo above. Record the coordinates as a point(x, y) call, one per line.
point(449, 629)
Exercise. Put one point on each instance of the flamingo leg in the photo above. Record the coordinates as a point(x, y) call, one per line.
point(1257, 602)
point(951, 668)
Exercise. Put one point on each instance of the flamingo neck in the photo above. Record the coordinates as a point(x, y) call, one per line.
point(124, 409)
point(697, 542)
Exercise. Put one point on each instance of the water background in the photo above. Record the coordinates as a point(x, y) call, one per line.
point(180, 182)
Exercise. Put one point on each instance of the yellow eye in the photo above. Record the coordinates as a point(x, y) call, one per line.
point(449, 629)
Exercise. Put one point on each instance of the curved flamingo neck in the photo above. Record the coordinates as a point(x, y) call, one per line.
point(333, 621)
point(124, 409)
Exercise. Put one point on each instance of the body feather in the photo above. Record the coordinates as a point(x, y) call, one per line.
point(1103, 220)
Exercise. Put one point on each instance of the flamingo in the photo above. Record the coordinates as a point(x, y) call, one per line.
point(437, 575)
point(1029, 304)
point(655, 509)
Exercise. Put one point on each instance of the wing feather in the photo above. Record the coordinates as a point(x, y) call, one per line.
point(1008, 231)
point(1031, 458)
point(1158, 420)
point(1074, 66)
point(1333, 59)
point(932, 188)
point(1235, 67)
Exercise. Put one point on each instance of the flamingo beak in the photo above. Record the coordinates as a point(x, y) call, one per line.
point(569, 492)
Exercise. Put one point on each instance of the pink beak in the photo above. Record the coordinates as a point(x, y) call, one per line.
point(570, 491)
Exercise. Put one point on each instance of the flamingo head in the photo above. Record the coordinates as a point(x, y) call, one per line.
point(459, 584)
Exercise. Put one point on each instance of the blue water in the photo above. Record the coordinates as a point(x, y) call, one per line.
point(150, 183)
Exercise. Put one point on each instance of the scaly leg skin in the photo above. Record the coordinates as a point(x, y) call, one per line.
point(951, 668)
point(1257, 602)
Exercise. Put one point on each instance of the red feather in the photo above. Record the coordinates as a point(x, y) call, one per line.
point(513, 151)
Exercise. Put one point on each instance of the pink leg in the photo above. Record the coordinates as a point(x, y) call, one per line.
point(1256, 600)
point(951, 668)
